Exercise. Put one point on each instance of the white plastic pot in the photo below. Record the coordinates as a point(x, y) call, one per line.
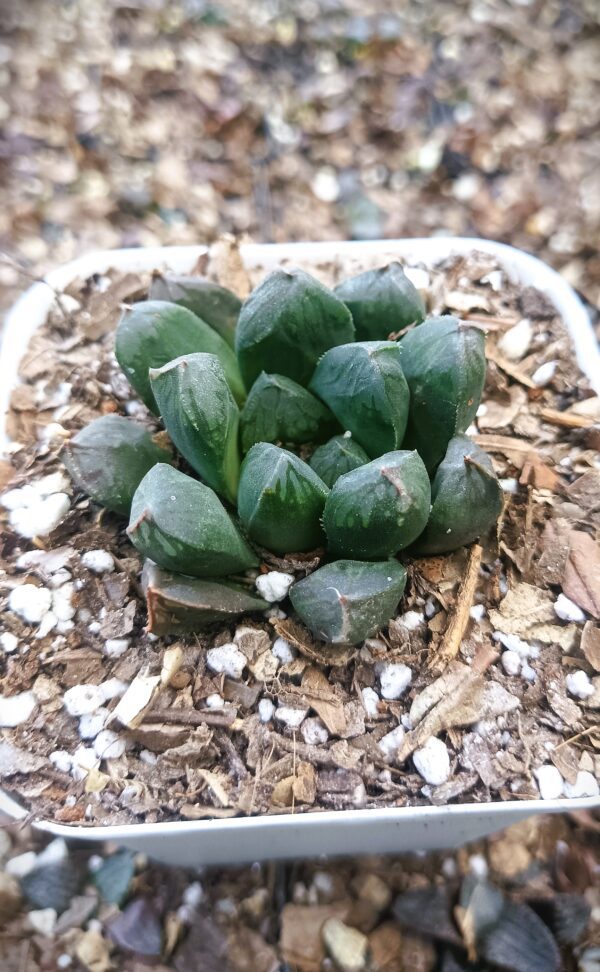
point(238, 841)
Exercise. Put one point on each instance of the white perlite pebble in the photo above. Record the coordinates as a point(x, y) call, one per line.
point(586, 785)
point(371, 702)
point(418, 277)
point(114, 647)
point(42, 517)
point(92, 723)
point(9, 641)
point(16, 709)
point(62, 760)
point(550, 782)
point(544, 374)
point(515, 342)
point(109, 745)
point(215, 701)
point(478, 866)
point(432, 762)
point(84, 759)
point(31, 603)
point(292, 717)
point(43, 920)
point(283, 651)
point(82, 699)
point(146, 756)
point(394, 680)
point(412, 620)
point(509, 485)
point(98, 561)
point(265, 710)
point(21, 865)
point(514, 643)
point(313, 732)
point(567, 610)
point(226, 660)
point(391, 742)
point(579, 685)
point(477, 612)
point(511, 662)
point(274, 586)
point(62, 603)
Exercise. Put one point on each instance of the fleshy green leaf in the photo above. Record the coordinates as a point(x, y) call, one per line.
point(466, 499)
point(181, 524)
point(349, 600)
point(109, 458)
point(177, 603)
point(216, 305)
point(287, 323)
point(113, 879)
point(154, 332)
point(444, 364)
point(202, 418)
point(280, 500)
point(336, 457)
point(280, 410)
point(377, 509)
point(381, 302)
point(365, 388)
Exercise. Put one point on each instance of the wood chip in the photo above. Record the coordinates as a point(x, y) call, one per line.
point(450, 644)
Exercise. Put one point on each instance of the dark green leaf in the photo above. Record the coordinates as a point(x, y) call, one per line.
point(381, 302)
point(336, 457)
point(113, 878)
point(216, 305)
point(278, 409)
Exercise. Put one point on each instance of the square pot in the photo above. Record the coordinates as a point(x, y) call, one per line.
point(394, 830)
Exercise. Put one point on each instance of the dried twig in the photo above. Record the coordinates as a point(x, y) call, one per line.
point(453, 635)
point(492, 354)
point(567, 420)
point(193, 717)
point(11, 262)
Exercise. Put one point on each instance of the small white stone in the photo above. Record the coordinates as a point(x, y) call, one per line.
point(283, 651)
point(62, 760)
point(48, 622)
point(83, 699)
point(94, 627)
point(567, 610)
point(544, 374)
point(193, 895)
point(42, 517)
point(21, 865)
point(109, 745)
point(495, 278)
point(515, 342)
point(151, 759)
point(550, 782)
point(274, 586)
point(98, 561)
point(389, 744)
point(64, 961)
point(113, 688)
point(579, 685)
point(394, 679)
point(586, 785)
point(62, 603)
point(511, 662)
point(325, 185)
point(16, 709)
point(113, 647)
point(18, 499)
point(9, 641)
point(265, 710)
point(31, 603)
point(412, 620)
point(528, 673)
point(226, 660)
point(371, 702)
point(92, 723)
point(291, 716)
point(432, 761)
point(418, 277)
point(62, 576)
point(514, 643)
point(43, 920)
point(84, 759)
point(478, 866)
point(215, 701)
point(313, 732)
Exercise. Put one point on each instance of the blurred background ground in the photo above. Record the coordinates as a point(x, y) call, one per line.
point(137, 123)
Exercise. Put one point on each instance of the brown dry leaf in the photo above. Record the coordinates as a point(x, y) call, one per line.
point(585, 491)
point(581, 582)
point(321, 697)
point(460, 693)
point(345, 756)
point(558, 700)
point(219, 785)
point(385, 946)
point(300, 939)
point(509, 854)
point(503, 410)
point(450, 643)
point(137, 700)
point(590, 644)
point(566, 760)
point(305, 784)
point(225, 265)
point(528, 612)
point(516, 450)
point(283, 792)
point(249, 952)
point(298, 636)
point(536, 472)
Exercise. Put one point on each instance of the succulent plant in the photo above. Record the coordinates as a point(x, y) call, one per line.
point(381, 302)
point(443, 361)
point(378, 509)
point(216, 305)
point(466, 499)
point(364, 386)
point(202, 418)
point(182, 525)
point(278, 409)
point(153, 332)
point(109, 458)
point(336, 457)
point(177, 603)
point(347, 601)
point(287, 323)
point(281, 500)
